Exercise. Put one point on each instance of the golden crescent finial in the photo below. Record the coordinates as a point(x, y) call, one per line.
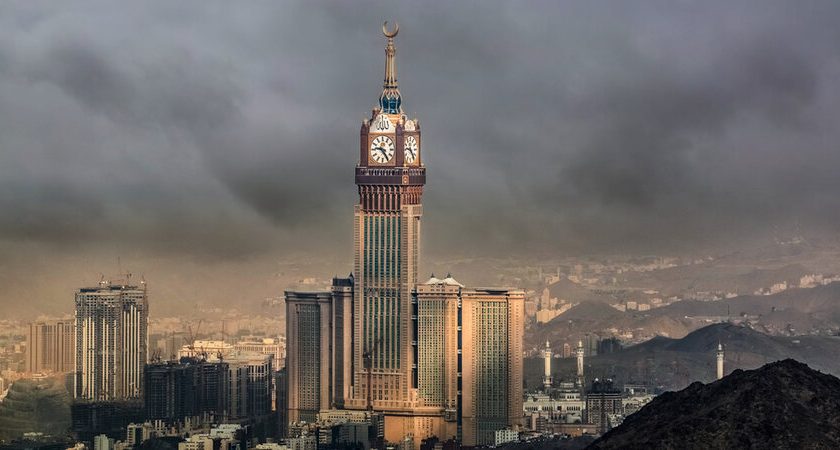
point(392, 33)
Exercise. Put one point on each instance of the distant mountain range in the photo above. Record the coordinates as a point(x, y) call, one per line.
point(782, 405)
point(669, 364)
point(794, 311)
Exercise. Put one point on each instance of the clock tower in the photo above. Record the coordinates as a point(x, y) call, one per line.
point(390, 176)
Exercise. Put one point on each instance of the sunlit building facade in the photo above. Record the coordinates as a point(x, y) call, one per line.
point(50, 346)
point(434, 358)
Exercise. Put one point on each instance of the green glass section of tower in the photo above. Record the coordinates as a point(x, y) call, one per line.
point(383, 290)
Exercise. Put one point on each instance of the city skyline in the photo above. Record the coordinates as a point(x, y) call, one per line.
point(591, 128)
point(635, 207)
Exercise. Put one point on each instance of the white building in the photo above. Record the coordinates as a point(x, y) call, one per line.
point(303, 442)
point(505, 436)
point(264, 346)
point(206, 348)
point(102, 442)
point(564, 406)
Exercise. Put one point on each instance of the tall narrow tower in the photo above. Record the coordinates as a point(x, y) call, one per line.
point(579, 353)
point(719, 361)
point(547, 374)
point(390, 178)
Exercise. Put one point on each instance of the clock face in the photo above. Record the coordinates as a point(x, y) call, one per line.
point(410, 149)
point(382, 149)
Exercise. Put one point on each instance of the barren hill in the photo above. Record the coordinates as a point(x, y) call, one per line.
point(784, 404)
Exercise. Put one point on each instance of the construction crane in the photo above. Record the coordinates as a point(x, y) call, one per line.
point(190, 338)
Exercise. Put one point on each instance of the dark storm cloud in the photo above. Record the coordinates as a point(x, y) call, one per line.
point(209, 129)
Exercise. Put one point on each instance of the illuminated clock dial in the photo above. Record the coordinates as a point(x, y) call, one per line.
point(382, 149)
point(410, 149)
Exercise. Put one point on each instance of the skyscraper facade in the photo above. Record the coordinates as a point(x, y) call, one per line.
point(492, 324)
point(433, 358)
point(111, 341)
point(390, 178)
point(308, 355)
point(50, 346)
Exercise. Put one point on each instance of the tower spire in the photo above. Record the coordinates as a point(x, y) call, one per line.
point(390, 100)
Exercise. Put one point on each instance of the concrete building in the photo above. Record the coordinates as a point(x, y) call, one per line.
point(211, 350)
point(111, 340)
point(504, 437)
point(719, 361)
point(390, 176)
point(436, 316)
point(564, 405)
point(176, 391)
point(102, 442)
point(567, 350)
point(239, 388)
point(342, 339)
point(264, 346)
point(492, 322)
point(281, 387)
point(137, 433)
point(51, 346)
point(435, 359)
point(604, 407)
point(251, 378)
point(308, 357)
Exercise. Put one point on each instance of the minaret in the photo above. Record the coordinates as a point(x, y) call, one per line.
point(579, 352)
point(720, 361)
point(547, 374)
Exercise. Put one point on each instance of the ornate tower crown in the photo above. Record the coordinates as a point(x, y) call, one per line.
point(390, 100)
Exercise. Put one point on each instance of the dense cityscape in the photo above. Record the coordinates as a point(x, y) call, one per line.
point(602, 327)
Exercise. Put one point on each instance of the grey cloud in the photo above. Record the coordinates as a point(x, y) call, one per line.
point(555, 127)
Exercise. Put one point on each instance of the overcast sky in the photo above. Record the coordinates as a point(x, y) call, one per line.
point(218, 130)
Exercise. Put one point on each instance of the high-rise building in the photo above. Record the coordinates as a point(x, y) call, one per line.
point(492, 324)
point(434, 359)
point(50, 346)
point(308, 355)
point(719, 361)
point(342, 339)
point(436, 316)
point(188, 388)
point(237, 388)
point(468, 358)
point(251, 386)
point(265, 346)
point(170, 391)
point(390, 178)
point(111, 340)
point(281, 387)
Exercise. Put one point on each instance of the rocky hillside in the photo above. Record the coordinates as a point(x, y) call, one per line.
point(40, 405)
point(784, 404)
